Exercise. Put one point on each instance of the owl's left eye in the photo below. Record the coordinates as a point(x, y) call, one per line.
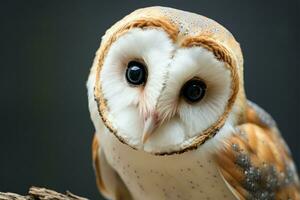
point(193, 90)
point(136, 73)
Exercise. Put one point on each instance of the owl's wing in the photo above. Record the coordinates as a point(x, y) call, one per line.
point(256, 163)
point(108, 181)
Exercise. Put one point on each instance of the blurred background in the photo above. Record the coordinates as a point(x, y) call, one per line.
point(47, 48)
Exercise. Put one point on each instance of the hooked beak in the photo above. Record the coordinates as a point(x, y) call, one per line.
point(150, 125)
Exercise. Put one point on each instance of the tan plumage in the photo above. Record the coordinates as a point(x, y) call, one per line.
point(256, 162)
point(231, 151)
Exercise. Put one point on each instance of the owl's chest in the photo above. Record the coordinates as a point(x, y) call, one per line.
point(191, 175)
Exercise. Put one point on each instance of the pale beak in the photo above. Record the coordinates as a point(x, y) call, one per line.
point(150, 125)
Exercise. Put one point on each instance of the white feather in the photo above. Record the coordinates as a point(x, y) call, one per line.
point(169, 67)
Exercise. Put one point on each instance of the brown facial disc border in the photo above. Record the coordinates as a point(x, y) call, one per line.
point(220, 52)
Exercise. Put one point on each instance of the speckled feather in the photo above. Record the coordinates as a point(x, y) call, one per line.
point(256, 163)
point(108, 181)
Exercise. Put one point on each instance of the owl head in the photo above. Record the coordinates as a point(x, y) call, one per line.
point(165, 81)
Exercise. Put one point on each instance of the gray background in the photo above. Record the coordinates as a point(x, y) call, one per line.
point(47, 48)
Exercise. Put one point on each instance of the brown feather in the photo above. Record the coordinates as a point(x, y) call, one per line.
point(96, 164)
point(256, 162)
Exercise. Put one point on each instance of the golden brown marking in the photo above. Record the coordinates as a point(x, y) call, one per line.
point(255, 161)
point(96, 163)
point(207, 42)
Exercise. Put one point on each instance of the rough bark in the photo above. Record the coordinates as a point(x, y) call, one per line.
point(36, 193)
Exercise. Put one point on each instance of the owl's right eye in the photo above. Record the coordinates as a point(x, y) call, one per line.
point(136, 73)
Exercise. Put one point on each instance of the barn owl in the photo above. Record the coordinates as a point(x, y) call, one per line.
point(166, 97)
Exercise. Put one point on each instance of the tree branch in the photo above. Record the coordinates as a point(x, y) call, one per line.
point(36, 193)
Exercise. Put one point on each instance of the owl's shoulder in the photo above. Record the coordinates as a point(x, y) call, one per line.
point(255, 162)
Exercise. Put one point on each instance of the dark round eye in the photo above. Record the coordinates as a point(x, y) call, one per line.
point(193, 90)
point(136, 73)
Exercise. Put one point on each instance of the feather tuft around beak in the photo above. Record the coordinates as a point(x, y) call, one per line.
point(150, 124)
